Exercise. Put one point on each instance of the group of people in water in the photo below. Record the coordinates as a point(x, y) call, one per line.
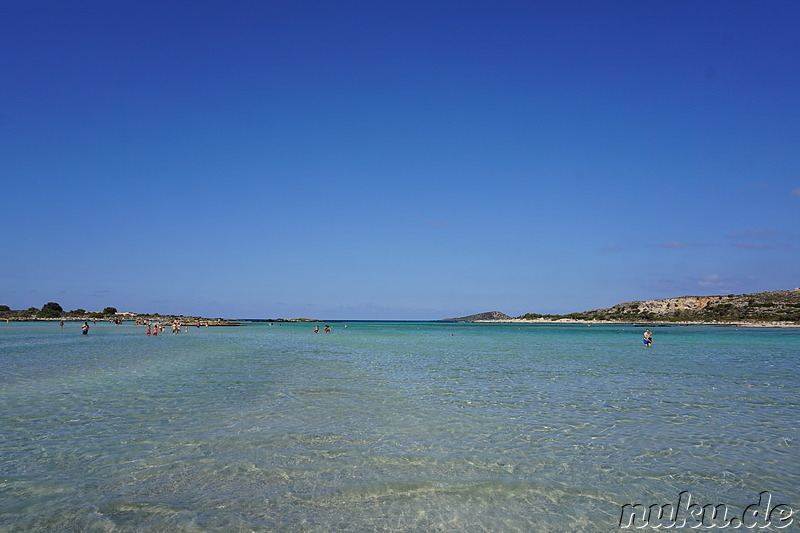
point(158, 327)
point(327, 328)
point(152, 329)
point(84, 327)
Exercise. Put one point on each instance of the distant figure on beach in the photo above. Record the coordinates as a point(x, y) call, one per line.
point(316, 328)
point(61, 324)
point(648, 338)
point(85, 328)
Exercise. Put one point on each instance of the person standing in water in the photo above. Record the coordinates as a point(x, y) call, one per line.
point(648, 338)
point(85, 328)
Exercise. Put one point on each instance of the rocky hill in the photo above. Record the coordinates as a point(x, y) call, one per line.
point(772, 306)
point(489, 315)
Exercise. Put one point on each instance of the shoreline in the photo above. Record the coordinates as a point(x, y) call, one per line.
point(538, 321)
point(651, 323)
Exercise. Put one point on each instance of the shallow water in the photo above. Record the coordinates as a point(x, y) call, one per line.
point(389, 426)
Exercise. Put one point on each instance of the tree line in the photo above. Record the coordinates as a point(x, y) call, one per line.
point(54, 310)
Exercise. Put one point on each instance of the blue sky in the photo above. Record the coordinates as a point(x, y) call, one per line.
point(396, 160)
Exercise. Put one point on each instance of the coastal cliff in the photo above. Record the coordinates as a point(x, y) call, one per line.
point(772, 306)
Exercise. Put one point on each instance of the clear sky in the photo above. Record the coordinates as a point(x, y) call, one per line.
point(396, 159)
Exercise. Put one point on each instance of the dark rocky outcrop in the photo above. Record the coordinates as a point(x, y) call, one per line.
point(489, 315)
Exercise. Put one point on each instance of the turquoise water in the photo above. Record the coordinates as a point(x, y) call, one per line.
point(389, 426)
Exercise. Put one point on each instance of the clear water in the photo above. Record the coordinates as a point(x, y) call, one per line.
point(389, 427)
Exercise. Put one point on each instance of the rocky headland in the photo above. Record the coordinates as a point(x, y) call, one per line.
point(772, 308)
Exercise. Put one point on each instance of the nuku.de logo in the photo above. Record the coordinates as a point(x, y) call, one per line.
point(685, 514)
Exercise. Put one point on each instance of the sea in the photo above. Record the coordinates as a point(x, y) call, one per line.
point(398, 427)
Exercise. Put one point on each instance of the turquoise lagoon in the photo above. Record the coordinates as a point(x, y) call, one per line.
point(390, 426)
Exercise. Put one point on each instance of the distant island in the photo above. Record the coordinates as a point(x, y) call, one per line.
point(481, 317)
point(772, 308)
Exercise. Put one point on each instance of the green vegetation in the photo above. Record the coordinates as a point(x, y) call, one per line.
point(773, 306)
point(51, 310)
